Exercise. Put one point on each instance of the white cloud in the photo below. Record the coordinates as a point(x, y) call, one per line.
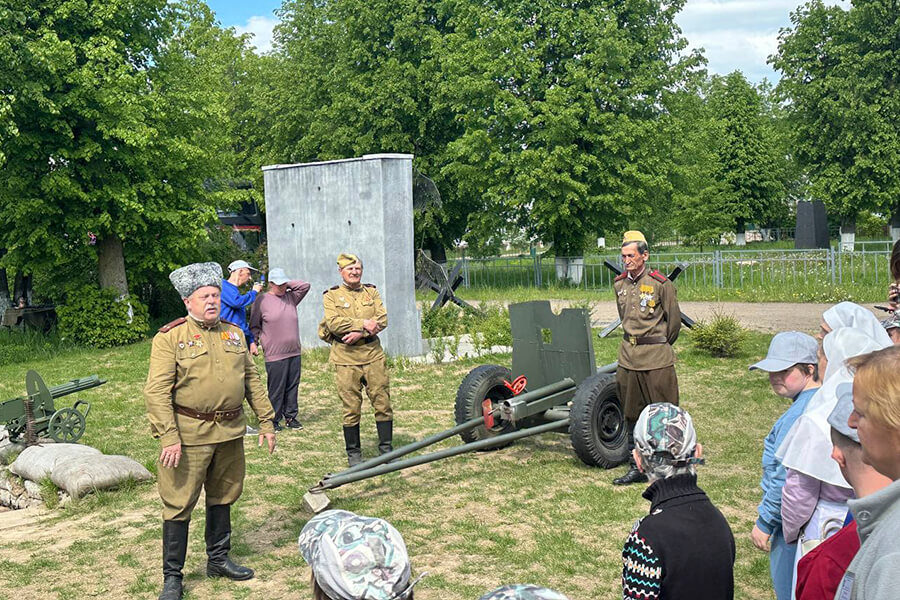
point(739, 34)
point(261, 30)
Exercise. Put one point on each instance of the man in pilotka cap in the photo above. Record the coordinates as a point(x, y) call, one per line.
point(651, 321)
point(354, 315)
point(200, 374)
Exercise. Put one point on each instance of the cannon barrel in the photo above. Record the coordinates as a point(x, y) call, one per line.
point(76, 385)
point(538, 394)
point(333, 481)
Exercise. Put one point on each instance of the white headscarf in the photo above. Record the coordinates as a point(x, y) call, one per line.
point(848, 314)
point(807, 446)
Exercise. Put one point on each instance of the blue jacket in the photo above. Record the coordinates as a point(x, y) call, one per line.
point(234, 307)
point(774, 472)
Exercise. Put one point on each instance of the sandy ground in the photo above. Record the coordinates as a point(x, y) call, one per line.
point(761, 316)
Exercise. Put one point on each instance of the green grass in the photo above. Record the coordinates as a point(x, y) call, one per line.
point(750, 276)
point(528, 513)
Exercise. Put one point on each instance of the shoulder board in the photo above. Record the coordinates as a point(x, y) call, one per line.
point(229, 323)
point(621, 276)
point(334, 287)
point(371, 285)
point(168, 326)
point(658, 276)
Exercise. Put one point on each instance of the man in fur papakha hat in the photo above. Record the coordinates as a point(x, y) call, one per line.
point(200, 374)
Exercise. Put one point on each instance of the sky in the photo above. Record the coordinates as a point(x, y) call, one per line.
point(735, 34)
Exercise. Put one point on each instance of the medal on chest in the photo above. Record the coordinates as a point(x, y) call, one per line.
point(647, 298)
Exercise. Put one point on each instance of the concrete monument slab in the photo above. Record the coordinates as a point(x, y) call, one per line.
point(315, 211)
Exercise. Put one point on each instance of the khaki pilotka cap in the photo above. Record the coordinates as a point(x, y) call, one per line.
point(345, 259)
point(633, 236)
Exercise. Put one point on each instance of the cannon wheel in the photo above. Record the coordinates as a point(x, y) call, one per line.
point(66, 425)
point(597, 428)
point(483, 382)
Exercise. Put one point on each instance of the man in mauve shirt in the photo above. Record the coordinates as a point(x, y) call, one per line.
point(273, 321)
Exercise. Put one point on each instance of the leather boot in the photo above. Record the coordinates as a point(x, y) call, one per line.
point(218, 544)
point(351, 443)
point(633, 475)
point(175, 535)
point(385, 436)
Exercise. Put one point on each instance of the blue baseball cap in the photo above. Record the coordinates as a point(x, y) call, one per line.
point(786, 350)
point(840, 414)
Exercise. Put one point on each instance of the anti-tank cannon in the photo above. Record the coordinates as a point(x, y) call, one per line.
point(556, 388)
point(36, 411)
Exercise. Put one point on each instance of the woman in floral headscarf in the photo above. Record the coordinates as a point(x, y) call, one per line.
point(356, 558)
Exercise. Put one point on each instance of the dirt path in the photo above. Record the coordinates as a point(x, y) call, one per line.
point(760, 316)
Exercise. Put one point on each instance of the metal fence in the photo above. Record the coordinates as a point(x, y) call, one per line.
point(733, 269)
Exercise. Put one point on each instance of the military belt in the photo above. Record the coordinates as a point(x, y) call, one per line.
point(365, 340)
point(216, 416)
point(647, 339)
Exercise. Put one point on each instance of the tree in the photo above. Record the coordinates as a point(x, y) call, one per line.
point(747, 152)
point(699, 206)
point(356, 77)
point(560, 105)
point(840, 77)
point(113, 133)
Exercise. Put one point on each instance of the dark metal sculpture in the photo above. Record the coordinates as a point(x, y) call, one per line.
point(432, 276)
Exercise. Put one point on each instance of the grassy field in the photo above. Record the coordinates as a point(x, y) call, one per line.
point(529, 513)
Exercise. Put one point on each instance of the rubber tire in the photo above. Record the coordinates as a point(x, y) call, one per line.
point(482, 382)
point(597, 427)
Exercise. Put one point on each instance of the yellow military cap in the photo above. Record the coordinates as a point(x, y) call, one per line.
point(346, 259)
point(633, 236)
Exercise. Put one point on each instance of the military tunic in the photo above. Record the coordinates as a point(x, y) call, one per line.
point(651, 320)
point(204, 369)
point(361, 364)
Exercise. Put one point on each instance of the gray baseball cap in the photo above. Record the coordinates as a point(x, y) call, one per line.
point(278, 276)
point(840, 414)
point(240, 264)
point(786, 350)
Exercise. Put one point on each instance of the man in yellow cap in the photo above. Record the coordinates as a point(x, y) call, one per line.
point(651, 320)
point(354, 315)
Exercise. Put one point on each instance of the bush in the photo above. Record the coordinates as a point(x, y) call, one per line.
point(442, 321)
point(97, 318)
point(488, 327)
point(721, 337)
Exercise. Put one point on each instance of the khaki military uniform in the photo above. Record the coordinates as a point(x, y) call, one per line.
point(361, 364)
point(203, 370)
point(651, 320)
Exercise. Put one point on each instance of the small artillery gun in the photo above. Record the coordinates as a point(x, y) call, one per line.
point(34, 414)
point(558, 388)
